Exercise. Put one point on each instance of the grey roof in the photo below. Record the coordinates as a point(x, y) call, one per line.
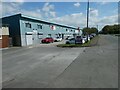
point(42, 21)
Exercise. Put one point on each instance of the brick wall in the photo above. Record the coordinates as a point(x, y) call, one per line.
point(4, 42)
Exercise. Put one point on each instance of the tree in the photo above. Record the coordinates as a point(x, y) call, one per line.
point(90, 30)
point(111, 29)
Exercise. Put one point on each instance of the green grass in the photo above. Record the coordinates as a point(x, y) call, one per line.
point(92, 42)
point(117, 35)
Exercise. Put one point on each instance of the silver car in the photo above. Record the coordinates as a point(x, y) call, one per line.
point(70, 41)
point(85, 39)
point(57, 39)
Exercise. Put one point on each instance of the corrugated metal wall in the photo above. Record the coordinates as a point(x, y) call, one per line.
point(18, 29)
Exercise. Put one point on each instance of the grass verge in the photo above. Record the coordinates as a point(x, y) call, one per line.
point(117, 35)
point(92, 42)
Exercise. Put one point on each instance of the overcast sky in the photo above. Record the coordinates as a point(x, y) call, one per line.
point(70, 13)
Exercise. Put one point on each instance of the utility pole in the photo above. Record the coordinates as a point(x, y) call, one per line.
point(88, 14)
point(87, 18)
point(97, 29)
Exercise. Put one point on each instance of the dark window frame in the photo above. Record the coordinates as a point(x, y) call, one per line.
point(28, 25)
point(50, 35)
point(40, 26)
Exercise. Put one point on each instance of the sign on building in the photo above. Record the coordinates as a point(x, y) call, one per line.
point(53, 27)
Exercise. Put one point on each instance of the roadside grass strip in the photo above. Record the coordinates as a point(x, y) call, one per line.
point(117, 35)
point(92, 42)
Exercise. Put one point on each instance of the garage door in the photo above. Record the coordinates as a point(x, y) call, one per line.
point(29, 39)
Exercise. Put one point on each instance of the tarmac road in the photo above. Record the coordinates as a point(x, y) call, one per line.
point(35, 66)
point(96, 67)
point(47, 66)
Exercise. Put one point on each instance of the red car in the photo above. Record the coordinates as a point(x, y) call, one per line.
point(47, 40)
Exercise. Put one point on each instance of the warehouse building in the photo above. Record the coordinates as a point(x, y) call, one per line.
point(26, 30)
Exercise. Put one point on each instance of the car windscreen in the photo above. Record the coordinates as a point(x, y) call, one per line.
point(78, 37)
point(48, 38)
point(72, 39)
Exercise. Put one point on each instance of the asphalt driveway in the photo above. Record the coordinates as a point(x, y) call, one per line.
point(35, 66)
point(96, 67)
point(48, 66)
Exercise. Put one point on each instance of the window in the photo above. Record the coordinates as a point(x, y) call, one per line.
point(28, 25)
point(40, 33)
point(49, 35)
point(66, 30)
point(39, 26)
point(72, 39)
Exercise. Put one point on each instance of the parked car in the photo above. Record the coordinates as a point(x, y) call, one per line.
point(57, 39)
point(91, 36)
point(70, 41)
point(86, 38)
point(78, 40)
point(69, 37)
point(47, 40)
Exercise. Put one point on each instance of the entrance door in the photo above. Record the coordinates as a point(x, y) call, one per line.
point(29, 39)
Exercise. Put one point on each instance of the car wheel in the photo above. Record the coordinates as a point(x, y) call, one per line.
point(67, 43)
point(42, 41)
